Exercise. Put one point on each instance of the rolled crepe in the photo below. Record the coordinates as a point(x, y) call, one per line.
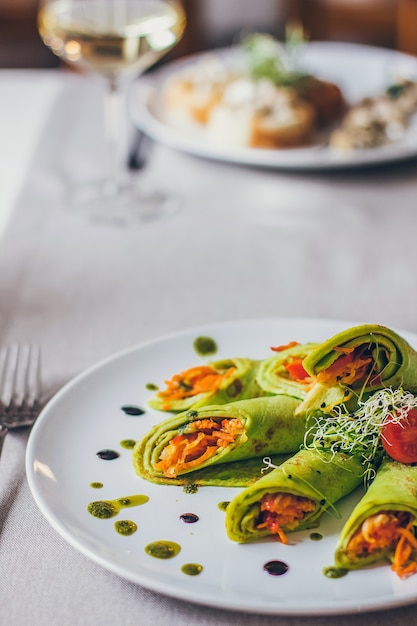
point(234, 474)
point(382, 519)
point(293, 496)
point(218, 382)
point(215, 435)
point(284, 372)
point(356, 362)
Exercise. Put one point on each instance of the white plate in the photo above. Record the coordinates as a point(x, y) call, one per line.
point(358, 69)
point(86, 416)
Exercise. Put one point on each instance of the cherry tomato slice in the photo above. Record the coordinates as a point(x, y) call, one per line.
point(399, 439)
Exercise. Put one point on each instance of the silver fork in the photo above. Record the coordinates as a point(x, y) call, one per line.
point(20, 387)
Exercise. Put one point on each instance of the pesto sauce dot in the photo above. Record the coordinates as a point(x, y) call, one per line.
point(102, 509)
point(191, 569)
point(125, 527)
point(163, 549)
point(128, 444)
point(334, 572)
point(316, 536)
point(204, 345)
point(190, 488)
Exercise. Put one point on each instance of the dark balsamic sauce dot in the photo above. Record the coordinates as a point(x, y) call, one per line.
point(107, 455)
point(132, 410)
point(276, 568)
point(189, 518)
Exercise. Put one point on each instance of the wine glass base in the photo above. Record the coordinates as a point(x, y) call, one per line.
point(122, 205)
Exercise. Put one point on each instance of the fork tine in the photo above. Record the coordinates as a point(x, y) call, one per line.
point(33, 378)
point(19, 378)
point(20, 374)
point(3, 360)
point(9, 357)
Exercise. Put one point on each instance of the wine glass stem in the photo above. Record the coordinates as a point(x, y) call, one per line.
point(116, 135)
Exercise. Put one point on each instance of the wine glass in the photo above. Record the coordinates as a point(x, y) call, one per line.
point(119, 40)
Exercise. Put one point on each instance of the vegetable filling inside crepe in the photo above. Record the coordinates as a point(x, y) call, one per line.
point(278, 510)
point(292, 496)
point(382, 524)
point(218, 382)
point(219, 434)
point(386, 531)
point(284, 372)
point(356, 362)
point(199, 441)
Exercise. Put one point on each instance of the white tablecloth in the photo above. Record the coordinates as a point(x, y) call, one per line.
point(245, 244)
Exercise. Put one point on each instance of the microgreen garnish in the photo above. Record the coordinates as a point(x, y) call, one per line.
point(268, 58)
point(359, 433)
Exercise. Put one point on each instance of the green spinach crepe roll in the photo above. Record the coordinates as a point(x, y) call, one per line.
point(284, 372)
point(216, 435)
point(217, 382)
point(293, 496)
point(234, 474)
point(351, 365)
point(381, 526)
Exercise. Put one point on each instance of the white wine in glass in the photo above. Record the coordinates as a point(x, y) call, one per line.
point(118, 39)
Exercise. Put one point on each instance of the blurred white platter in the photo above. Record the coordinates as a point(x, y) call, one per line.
point(359, 70)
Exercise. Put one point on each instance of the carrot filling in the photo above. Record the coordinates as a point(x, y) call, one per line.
point(387, 531)
point(296, 371)
point(354, 366)
point(291, 344)
point(199, 441)
point(278, 510)
point(191, 382)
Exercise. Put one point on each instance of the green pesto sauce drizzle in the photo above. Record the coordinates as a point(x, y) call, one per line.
point(190, 488)
point(125, 527)
point(151, 387)
point(192, 569)
point(104, 509)
point(204, 345)
point(316, 536)
point(334, 572)
point(96, 485)
point(163, 549)
point(223, 505)
point(129, 444)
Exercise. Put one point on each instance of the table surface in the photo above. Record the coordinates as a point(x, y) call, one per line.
point(246, 243)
